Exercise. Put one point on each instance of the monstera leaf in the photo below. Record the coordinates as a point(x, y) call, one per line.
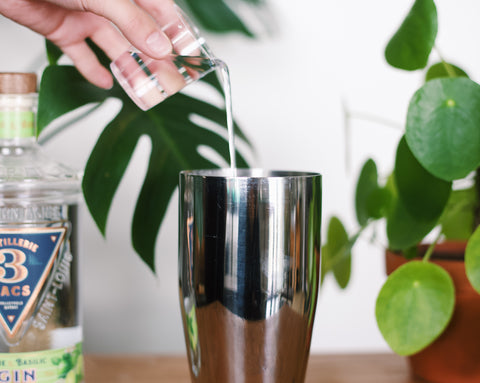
point(217, 16)
point(174, 137)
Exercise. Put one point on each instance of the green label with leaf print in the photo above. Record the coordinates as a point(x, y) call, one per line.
point(17, 124)
point(63, 365)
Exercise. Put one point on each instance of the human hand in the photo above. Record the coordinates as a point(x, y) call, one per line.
point(67, 23)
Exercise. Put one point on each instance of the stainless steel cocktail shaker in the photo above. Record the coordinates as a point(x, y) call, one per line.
point(249, 256)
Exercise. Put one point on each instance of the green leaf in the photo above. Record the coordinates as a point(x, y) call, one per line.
point(472, 260)
point(63, 89)
point(175, 142)
point(411, 45)
point(443, 127)
point(370, 199)
point(56, 361)
point(403, 230)
point(414, 306)
point(324, 263)
point(217, 16)
point(411, 252)
point(53, 52)
point(444, 69)
point(338, 239)
point(422, 194)
point(458, 218)
point(337, 253)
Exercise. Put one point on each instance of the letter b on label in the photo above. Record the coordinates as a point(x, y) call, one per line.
point(12, 259)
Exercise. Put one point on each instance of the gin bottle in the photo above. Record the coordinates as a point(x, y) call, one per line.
point(40, 327)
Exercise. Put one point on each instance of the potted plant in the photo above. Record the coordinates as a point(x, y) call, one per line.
point(434, 191)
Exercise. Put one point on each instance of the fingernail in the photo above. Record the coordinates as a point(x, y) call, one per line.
point(159, 44)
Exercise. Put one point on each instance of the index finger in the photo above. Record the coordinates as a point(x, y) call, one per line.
point(135, 23)
point(163, 11)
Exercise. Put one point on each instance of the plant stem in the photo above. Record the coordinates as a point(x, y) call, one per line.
point(345, 251)
point(431, 248)
point(348, 116)
point(373, 118)
point(448, 67)
point(346, 129)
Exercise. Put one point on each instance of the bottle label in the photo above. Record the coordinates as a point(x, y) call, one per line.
point(27, 256)
point(17, 124)
point(62, 365)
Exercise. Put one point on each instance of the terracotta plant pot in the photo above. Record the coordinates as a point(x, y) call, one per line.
point(455, 356)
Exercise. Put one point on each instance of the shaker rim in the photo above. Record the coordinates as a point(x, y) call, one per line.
point(248, 173)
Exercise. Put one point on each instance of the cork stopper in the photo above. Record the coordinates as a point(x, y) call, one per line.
point(18, 83)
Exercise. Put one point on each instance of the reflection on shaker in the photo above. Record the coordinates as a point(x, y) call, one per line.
point(249, 255)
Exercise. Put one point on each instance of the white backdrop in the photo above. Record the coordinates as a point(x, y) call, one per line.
point(288, 91)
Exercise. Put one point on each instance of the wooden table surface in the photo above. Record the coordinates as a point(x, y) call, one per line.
point(360, 368)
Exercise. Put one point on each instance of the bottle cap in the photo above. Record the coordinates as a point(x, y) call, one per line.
point(18, 83)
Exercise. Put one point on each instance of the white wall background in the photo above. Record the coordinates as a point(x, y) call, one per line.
point(288, 90)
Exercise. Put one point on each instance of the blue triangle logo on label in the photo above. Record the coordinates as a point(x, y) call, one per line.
point(26, 259)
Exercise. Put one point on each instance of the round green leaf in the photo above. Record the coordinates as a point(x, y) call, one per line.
point(444, 69)
point(403, 230)
point(378, 203)
point(443, 123)
point(411, 45)
point(423, 195)
point(414, 306)
point(472, 260)
point(458, 218)
point(324, 263)
point(339, 252)
point(411, 252)
point(370, 199)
